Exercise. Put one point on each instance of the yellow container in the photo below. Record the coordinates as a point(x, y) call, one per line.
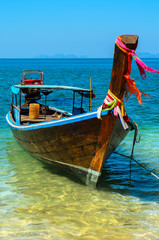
point(34, 110)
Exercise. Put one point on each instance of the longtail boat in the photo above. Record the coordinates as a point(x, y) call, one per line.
point(78, 141)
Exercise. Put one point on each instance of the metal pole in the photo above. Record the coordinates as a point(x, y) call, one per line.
point(90, 101)
point(81, 100)
point(73, 101)
point(20, 104)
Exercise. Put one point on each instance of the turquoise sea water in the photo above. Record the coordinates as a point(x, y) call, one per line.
point(38, 202)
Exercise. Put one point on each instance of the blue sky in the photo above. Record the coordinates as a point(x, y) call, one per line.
point(29, 28)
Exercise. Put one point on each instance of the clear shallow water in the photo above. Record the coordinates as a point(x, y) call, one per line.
point(38, 202)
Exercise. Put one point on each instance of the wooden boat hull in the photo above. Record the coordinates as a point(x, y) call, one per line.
point(79, 144)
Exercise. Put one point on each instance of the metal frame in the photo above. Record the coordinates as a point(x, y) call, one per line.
point(32, 71)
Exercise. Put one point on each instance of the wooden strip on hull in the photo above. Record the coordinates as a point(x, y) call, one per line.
point(79, 147)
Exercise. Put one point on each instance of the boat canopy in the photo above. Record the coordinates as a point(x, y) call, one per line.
point(76, 89)
point(35, 92)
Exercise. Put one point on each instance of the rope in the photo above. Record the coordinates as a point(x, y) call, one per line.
point(137, 129)
point(132, 152)
point(135, 136)
point(134, 141)
point(139, 164)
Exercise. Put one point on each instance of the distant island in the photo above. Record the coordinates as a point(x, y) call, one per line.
point(147, 55)
point(60, 56)
point(73, 56)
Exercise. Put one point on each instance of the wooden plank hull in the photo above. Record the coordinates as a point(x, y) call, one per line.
point(78, 144)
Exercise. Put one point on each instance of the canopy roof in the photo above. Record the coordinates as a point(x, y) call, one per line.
point(50, 87)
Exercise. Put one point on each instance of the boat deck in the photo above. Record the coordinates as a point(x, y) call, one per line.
point(42, 118)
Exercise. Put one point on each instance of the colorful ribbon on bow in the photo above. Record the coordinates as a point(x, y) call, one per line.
point(132, 89)
point(111, 102)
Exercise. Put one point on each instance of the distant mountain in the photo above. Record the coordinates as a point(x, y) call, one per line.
point(42, 56)
point(147, 55)
point(60, 56)
point(64, 56)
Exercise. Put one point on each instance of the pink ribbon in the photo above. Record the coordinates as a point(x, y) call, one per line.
point(141, 65)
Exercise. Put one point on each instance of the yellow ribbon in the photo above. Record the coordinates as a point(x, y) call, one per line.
point(120, 101)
